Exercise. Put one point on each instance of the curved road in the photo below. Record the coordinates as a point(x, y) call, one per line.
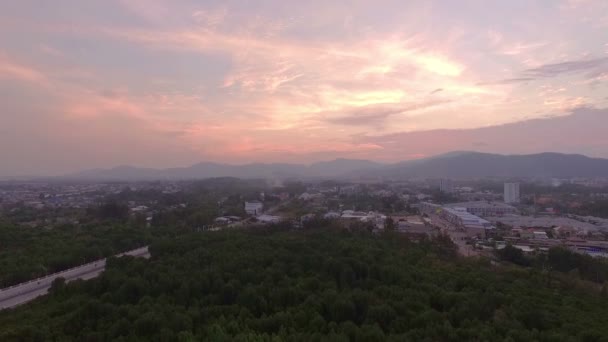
point(13, 296)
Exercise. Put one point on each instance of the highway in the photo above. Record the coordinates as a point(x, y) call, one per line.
point(15, 295)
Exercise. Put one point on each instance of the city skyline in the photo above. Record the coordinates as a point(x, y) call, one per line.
point(164, 84)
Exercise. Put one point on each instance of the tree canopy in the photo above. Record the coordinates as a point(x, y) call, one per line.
point(309, 285)
point(27, 253)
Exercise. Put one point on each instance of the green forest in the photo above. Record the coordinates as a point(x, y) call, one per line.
point(311, 285)
point(28, 253)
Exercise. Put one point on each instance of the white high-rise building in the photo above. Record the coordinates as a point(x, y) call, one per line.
point(511, 192)
point(446, 186)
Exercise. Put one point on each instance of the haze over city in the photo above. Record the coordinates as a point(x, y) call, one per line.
point(322, 170)
point(87, 84)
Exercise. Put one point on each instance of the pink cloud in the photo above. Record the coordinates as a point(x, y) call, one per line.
point(13, 70)
point(270, 87)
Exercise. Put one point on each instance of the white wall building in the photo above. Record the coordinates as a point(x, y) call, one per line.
point(511, 193)
point(254, 208)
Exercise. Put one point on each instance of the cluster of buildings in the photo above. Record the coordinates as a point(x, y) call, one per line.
point(529, 233)
point(580, 228)
point(535, 239)
point(374, 218)
point(511, 193)
point(476, 216)
point(461, 216)
point(40, 195)
point(45, 195)
point(256, 209)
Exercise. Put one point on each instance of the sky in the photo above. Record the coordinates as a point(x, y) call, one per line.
point(100, 83)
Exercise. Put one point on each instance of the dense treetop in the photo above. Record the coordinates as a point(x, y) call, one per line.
point(27, 253)
point(315, 285)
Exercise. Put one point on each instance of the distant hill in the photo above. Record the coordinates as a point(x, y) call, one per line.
point(479, 165)
point(334, 168)
point(341, 167)
point(459, 165)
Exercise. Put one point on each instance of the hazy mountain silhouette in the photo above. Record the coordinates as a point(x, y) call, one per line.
point(461, 164)
point(334, 168)
point(479, 165)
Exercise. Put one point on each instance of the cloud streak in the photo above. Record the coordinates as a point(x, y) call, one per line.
point(569, 67)
point(377, 115)
point(12, 70)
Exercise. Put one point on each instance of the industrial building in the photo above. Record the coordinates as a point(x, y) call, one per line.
point(460, 217)
point(473, 225)
point(485, 208)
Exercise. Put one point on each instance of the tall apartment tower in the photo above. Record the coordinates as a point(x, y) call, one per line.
point(511, 192)
point(446, 186)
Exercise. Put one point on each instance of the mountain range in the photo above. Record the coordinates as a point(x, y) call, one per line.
point(334, 168)
point(458, 165)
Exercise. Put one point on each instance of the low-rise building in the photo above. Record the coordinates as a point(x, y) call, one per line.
point(376, 219)
point(569, 225)
point(332, 215)
point(268, 219)
point(225, 220)
point(472, 224)
point(254, 208)
point(460, 217)
point(485, 209)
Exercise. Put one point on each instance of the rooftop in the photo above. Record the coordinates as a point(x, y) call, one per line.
point(467, 218)
point(480, 204)
point(546, 222)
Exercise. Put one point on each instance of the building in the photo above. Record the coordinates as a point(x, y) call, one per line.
point(428, 208)
point(268, 219)
point(310, 197)
point(376, 219)
point(225, 220)
point(460, 217)
point(332, 215)
point(511, 193)
point(471, 224)
point(353, 215)
point(568, 225)
point(254, 208)
point(446, 186)
point(485, 208)
point(415, 230)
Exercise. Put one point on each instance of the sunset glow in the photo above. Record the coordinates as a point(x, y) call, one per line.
point(169, 83)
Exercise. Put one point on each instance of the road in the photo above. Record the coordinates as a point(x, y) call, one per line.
point(13, 296)
point(457, 236)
